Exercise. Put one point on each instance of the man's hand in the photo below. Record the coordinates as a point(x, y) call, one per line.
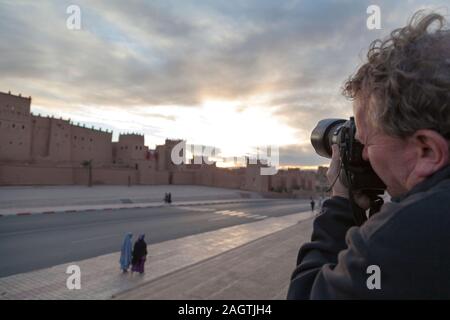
point(339, 189)
point(333, 172)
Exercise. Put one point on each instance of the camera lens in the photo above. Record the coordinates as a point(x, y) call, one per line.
point(324, 135)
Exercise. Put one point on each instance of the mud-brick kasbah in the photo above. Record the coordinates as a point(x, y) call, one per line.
point(37, 150)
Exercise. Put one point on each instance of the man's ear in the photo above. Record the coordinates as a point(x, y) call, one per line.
point(432, 151)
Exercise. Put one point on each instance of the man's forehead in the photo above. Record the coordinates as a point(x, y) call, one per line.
point(358, 106)
point(359, 112)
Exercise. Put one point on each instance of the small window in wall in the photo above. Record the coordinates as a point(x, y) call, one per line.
point(23, 127)
point(140, 148)
point(90, 139)
point(82, 138)
point(136, 147)
point(10, 142)
point(13, 125)
point(75, 137)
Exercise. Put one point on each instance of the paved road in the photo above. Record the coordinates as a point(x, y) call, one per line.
point(28, 243)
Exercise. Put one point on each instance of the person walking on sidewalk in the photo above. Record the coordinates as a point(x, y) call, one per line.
point(139, 255)
point(125, 253)
point(312, 204)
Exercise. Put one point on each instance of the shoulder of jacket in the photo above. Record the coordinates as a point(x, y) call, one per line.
point(418, 205)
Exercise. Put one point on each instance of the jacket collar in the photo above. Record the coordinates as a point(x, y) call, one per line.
point(428, 183)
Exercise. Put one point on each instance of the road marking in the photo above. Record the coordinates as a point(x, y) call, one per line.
point(261, 217)
point(232, 213)
point(218, 218)
point(195, 209)
point(96, 238)
point(256, 216)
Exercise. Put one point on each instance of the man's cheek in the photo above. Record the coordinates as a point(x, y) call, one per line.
point(378, 163)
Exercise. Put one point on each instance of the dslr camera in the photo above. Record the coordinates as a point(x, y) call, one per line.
point(355, 173)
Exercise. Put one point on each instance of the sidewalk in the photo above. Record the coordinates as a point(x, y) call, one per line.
point(37, 200)
point(259, 270)
point(72, 209)
point(102, 279)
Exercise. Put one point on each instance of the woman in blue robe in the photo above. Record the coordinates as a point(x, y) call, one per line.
point(126, 253)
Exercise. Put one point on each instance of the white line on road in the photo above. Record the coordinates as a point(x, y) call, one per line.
point(218, 218)
point(96, 238)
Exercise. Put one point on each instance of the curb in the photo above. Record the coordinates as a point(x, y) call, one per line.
point(145, 206)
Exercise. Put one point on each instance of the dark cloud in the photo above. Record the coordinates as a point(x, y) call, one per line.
point(169, 52)
point(152, 53)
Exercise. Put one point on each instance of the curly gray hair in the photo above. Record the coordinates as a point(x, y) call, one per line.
point(405, 83)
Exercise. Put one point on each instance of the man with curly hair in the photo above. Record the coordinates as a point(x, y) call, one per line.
point(401, 103)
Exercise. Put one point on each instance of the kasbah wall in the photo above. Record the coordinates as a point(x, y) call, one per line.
point(37, 150)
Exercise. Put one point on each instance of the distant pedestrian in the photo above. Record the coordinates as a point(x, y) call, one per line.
point(139, 255)
point(169, 198)
point(312, 204)
point(166, 197)
point(125, 253)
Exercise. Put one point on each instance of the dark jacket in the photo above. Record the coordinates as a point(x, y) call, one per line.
point(139, 251)
point(409, 240)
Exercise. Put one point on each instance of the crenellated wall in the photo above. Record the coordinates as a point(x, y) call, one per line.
point(90, 144)
point(130, 149)
point(36, 150)
point(15, 133)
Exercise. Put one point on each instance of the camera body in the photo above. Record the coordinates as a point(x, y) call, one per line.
point(356, 173)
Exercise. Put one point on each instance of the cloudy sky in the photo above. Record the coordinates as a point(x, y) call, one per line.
point(225, 73)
